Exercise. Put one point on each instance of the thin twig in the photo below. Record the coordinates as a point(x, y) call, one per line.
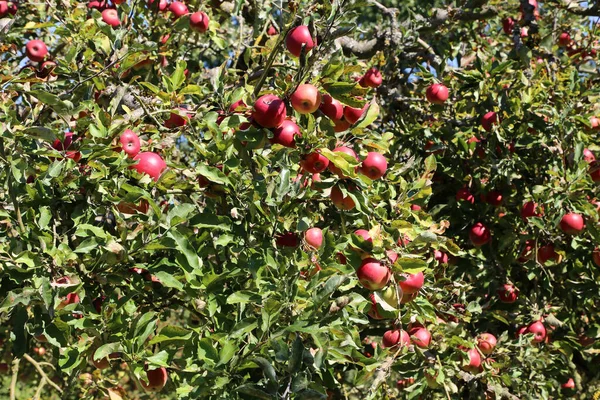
point(41, 372)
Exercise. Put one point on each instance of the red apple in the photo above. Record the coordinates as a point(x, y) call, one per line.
point(494, 198)
point(372, 275)
point(572, 223)
point(546, 253)
point(332, 108)
point(272, 31)
point(306, 99)
point(314, 237)
point(440, 257)
point(372, 78)
point(150, 163)
point(163, 5)
point(486, 343)
point(288, 239)
point(199, 21)
point(46, 69)
point(420, 336)
point(286, 133)
point(437, 93)
point(363, 233)
point(374, 166)
point(527, 252)
point(393, 338)
point(298, 37)
point(352, 114)
point(415, 207)
point(111, 17)
point(178, 9)
point(341, 202)
point(341, 149)
point(7, 7)
point(412, 283)
point(489, 119)
point(595, 174)
point(569, 384)
point(315, 163)
point(177, 120)
point(594, 123)
point(407, 298)
point(157, 379)
point(588, 156)
point(341, 125)
point(480, 234)
point(564, 39)
point(539, 331)
point(507, 25)
point(474, 362)
point(130, 142)
point(465, 195)
point(529, 210)
point(269, 111)
point(36, 50)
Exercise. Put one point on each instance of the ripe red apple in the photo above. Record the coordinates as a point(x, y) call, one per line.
point(474, 362)
point(286, 133)
point(412, 283)
point(341, 125)
point(130, 142)
point(529, 210)
point(546, 253)
point(352, 114)
point(437, 93)
point(269, 111)
point(494, 198)
point(539, 331)
point(508, 293)
point(199, 21)
point(372, 78)
point(149, 163)
point(480, 234)
point(36, 50)
point(415, 207)
point(297, 37)
point(157, 379)
point(465, 195)
point(588, 156)
point(332, 108)
point(341, 149)
point(341, 202)
point(564, 39)
point(373, 312)
point(594, 123)
point(489, 119)
point(306, 99)
point(486, 343)
point(46, 69)
point(272, 31)
point(111, 17)
point(178, 9)
point(314, 237)
point(177, 120)
point(528, 251)
point(440, 257)
point(288, 239)
point(572, 223)
point(163, 5)
point(569, 384)
point(374, 165)
point(393, 338)
point(363, 233)
point(420, 336)
point(372, 275)
point(595, 174)
point(7, 7)
point(507, 25)
point(315, 163)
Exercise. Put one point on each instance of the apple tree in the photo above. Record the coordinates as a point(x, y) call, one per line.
point(299, 200)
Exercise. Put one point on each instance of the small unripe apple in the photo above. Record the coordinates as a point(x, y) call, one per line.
point(352, 114)
point(178, 9)
point(36, 50)
point(332, 108)
point(539, 331)
point(341, 202)
point(7, 7)
point(529, 210)
point(393, 338)
point(486, 343)
point(488, 120)
point(420, 336)
point(572, 223)
point(437, 93)
point(199, 21)
point(315, 163)
point(157, 379)
point(111, 17)
point(286, 133)
point(480, 234)
point(465, 195)
point(130, 142)
point(269, 111)
point(564, 39)
point(412, 283)
point(297, 37)
point(372, 275)
point(177, 120)
point(149, 163)
point(306, 99)
point(341, 149)
point(374, 166)
point(546, 253)
point(372, 79)
point(314, 237)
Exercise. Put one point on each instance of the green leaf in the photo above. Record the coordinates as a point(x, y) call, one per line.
point(183, 245)
point(345, 162)
point(171, 333)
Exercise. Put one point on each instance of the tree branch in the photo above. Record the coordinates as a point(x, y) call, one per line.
point(41, 372)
